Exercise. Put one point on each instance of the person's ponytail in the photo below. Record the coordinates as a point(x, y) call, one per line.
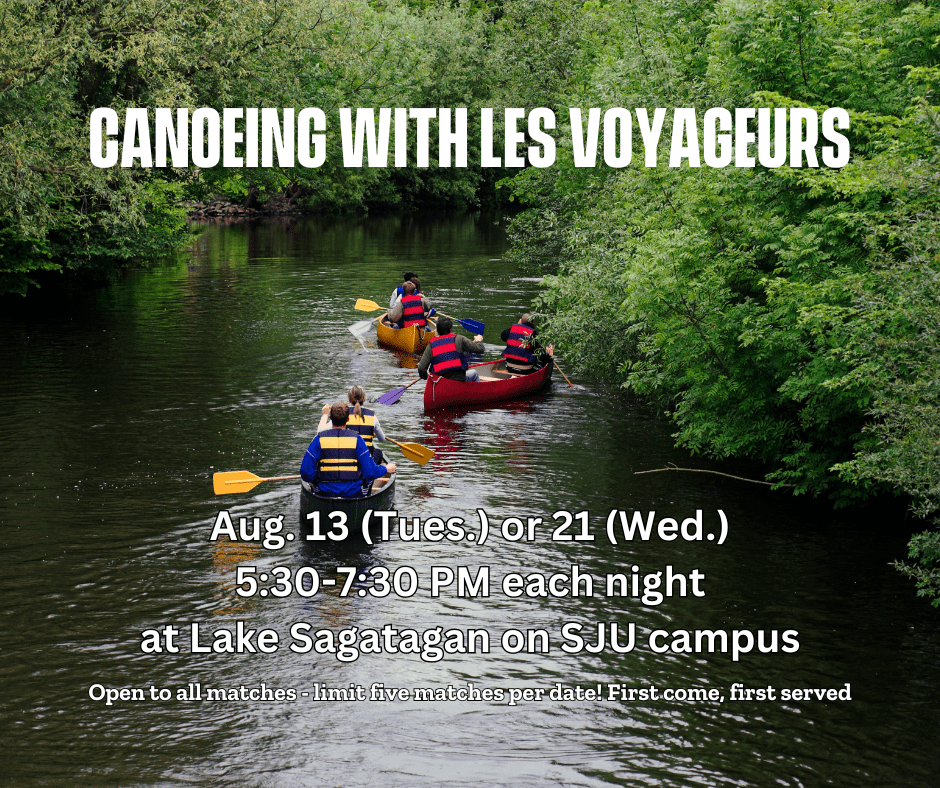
point(357, 396)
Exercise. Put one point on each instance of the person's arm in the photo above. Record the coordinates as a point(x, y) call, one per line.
point(424, 363)
point(366, 464)
point(325, 423)
point(379, 434)
point(505, 334)
point(395, 297)
point(396, 312)
point(308, 468)
point(464, 345)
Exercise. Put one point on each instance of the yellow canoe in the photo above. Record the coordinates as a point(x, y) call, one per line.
point(411, 339)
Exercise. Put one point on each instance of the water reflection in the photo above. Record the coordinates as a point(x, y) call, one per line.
point(405, 360)
point(118, 405)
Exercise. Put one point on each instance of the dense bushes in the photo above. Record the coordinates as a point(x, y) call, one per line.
point(784, 314)
point(787, 315)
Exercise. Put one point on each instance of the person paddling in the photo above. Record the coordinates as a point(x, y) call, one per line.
point(447, 355)
point(522, 346)
point(411, 309)
point(363, 420)
point(338, 463)
point(399, 291)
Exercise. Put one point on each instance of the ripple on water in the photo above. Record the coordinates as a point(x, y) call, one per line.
point(119, 404)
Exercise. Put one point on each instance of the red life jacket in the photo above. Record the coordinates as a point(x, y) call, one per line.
point(517, 344)
point(412, 311)
point(445, 356)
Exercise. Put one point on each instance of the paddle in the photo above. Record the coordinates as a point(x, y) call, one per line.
point(562, 373)
point(362, 328)
point(364, 305)
point(227, 482)
point(240, 481)
point(414, 451)
point(391, 397)
point(473, 326)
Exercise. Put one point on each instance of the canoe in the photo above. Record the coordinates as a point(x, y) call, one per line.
point(495, 385)
point(411, 339)
point(320, 507)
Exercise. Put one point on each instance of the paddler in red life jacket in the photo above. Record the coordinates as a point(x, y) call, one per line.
point(411, 309)
point(446, 355)
point(338, 462)
point(399, 291)
point(522, 347)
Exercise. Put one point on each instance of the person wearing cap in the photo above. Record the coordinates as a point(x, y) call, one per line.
point(398, 292)
point(338, 463)
point(447, 354)
point(522, 347)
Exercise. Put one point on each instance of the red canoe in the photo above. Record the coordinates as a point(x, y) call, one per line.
point(495, 384)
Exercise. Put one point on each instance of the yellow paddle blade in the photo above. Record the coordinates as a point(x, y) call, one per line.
point(234, 482)
point(227, 482)
point(415, 452)
point(367, 306)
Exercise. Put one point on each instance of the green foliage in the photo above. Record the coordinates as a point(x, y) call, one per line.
point(59, 61)
point(924, 551)
point(787, 315)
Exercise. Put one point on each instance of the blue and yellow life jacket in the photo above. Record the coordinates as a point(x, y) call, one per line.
point(364, 425)
point(339, 460)
point(445, 356)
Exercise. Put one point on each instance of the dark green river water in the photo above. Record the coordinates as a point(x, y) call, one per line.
point(119, 404)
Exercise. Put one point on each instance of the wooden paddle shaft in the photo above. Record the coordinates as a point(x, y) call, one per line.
point(460, 320)
point(258, 481)
point(562, 373)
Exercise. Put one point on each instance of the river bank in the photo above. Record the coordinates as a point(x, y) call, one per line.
point(121, 403)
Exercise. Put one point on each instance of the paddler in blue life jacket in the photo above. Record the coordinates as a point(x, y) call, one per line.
point(399, 291)
point(338, 463)
point(412, 309)
point(446, 355)
point(363, 420)
point(522, 347)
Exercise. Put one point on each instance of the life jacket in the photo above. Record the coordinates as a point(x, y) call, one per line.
point(412, 311)
point(339, 460)
point(445, 356)
point(517, 345)
point(364, 425)
point(400, 291)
